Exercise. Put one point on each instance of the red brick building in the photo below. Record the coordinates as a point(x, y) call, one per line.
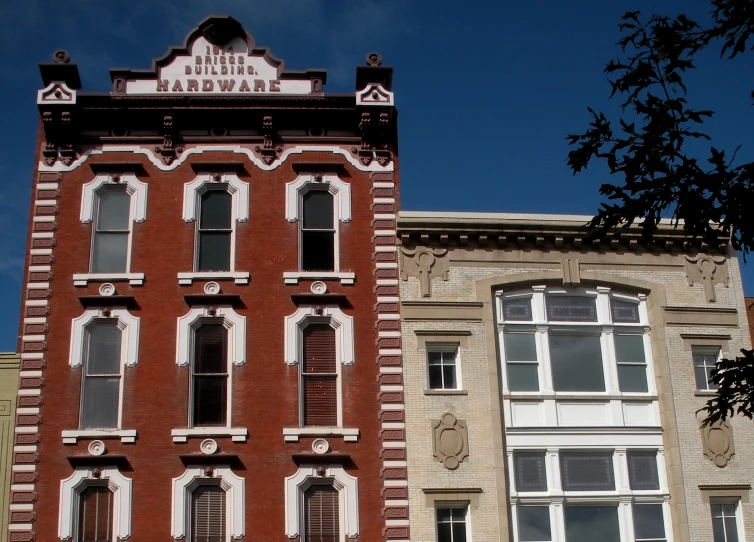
point(210, 328)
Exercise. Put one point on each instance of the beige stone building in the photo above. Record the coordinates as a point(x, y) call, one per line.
point(552, 383)
point(9, 367)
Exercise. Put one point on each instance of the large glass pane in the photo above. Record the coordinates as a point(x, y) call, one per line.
point(731, 530)
point(216, 210)
point(571, 308)
point(520, 347)
point(210, 348)
point(113, 210)
point(629, 348)
point(530, 471)
point(522, 377)
point(95, 515)
point(702, 378)
point(103, 354)
point(435, 377)
point(444, 532)
point(214, 251)
point(587, 471)
point(318, 210)
point(591, 523)
point(449, 377)
point(317, 251)
point(624, 312)
point(576, 363)
point(100, 404)
point(648, 522)
point(534, 524)
point(459, 532)
point(110, 252)
point(210, 400)
point(517, 310)
point(642, 470)
point(632, 378)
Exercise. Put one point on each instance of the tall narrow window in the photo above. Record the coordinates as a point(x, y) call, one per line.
point(210, 375)
point(317, 232)
point(215, 231)
point(521, 361)
point(451, 524)
point(101, 381)
point(705, 360)
point(95, 515)
point(441, 363)
point(319, 378)
point(321, 514)
point(208, 514)
point(112, 227)
point(725, 522)
point(632, 365)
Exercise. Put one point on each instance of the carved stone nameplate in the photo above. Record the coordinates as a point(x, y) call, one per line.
point(717, 443)
point(450, 441)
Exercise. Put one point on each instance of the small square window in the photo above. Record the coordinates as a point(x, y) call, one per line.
point(442, 367)
point(725, 521)
point(705, 359)
point(530, 471)
point(587, 471)
point(649, 523)
point(534, 524)
point(452, 524)
point(642, 470)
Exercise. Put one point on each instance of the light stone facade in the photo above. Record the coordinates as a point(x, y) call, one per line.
point(477, 257)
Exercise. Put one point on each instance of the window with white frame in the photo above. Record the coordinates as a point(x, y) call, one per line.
point(111, 237)
point(321, 514)
point(214, 231)
point(95, 514)
point(318, 234)
point(705, 359)
point(208, 514)
point(442, 367)
point(592, 493)
point(209, 374)
point(726, 521)
point(452, 522)
point(575, 340)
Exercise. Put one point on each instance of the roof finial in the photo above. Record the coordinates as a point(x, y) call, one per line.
point(374, 59)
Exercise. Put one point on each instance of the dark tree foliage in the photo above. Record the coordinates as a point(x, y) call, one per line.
point(653, 150)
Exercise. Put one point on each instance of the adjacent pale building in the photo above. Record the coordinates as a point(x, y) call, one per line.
point(552, 383)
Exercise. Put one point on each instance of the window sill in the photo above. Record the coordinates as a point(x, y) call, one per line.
point(579, 396)
point(186, 279)
point(126, 436)
point(446, 392)
point(292, 434)
point(294, 276)
point(82, 279)
point(705, 393)
point(237, 434)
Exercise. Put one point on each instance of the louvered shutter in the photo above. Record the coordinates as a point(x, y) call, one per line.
point(96, 515)
point(319, 377)
point(208, 514)
point(322, 515)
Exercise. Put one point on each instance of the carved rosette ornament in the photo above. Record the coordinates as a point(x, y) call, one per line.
point(450, 441)
point(424, 264)
point(717, 443)
point(708, 271)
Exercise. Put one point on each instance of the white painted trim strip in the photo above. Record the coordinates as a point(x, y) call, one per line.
point(47, 186)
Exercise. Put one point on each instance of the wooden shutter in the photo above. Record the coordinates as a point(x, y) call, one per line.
point(322, 521)
point(208, 514)
point(320, 391)
point(96, 515)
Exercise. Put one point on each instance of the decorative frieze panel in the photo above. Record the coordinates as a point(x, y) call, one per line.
point(708, 271)
point(424, 264)
point(450, 441)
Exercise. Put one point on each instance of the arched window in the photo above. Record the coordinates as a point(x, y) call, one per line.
point(321, 514)
point(95, 515)
point(318, 231)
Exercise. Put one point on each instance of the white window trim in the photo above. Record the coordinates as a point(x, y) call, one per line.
point(72, 487)
point(706, 350)
point(239, 277)
point(346, 485)
point(739, 516)
point(134, 279)
point(445, 346)
point(338, 320)
point(293, 277)
point(237, 434)
point(234, 322)
point(239, 191)
point(194, 476)
point(292, 434)
point(129, 356)
point(340, 190)
point(137, 191)
point(126, 436)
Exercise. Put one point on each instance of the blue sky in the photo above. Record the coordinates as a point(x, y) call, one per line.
point(486, 90)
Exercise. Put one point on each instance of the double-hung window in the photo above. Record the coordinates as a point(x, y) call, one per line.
point(321, 514)
point(209, 379)
point(725, 521)
point(318, 231)
point(214, 237)
point(95, 515)
point(208, 514)
point(112, 230)
point(705, 359)
point(100, 397)
point(452, 523)
point(319, 377)
point(442, 366)
point(522, 362)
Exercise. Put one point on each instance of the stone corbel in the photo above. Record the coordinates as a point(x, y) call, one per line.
point(167, 151)
point(450, 441)
point(571, 272)
point(424, 264)
point(717, 443)
point(708, 271)
point(268, 151)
